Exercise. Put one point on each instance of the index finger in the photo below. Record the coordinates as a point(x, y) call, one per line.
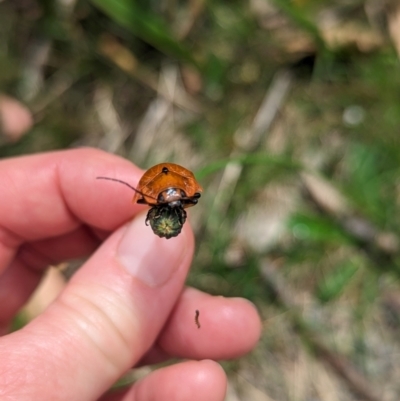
point(52, 194)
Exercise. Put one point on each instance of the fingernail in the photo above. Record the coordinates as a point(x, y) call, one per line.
point(147, 257)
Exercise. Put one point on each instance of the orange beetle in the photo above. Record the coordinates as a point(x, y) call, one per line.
point(168, 183)
point(169, 189)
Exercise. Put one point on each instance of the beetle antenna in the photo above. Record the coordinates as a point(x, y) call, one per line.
point(120, 181)
point(125, 183)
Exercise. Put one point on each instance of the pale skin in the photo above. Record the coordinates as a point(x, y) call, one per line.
point(126, 306)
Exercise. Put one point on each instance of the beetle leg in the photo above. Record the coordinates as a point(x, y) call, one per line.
point(189, 202)
point(182, 216)
point(148, 217)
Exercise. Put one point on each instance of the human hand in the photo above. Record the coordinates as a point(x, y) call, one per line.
point(127, 304)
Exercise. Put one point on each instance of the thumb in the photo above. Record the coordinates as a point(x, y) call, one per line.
point(103, 322)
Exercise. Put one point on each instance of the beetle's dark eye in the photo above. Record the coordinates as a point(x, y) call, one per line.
point(160, 198)
point(165, 170)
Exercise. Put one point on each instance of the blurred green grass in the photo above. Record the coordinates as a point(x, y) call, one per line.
point(339, 120)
